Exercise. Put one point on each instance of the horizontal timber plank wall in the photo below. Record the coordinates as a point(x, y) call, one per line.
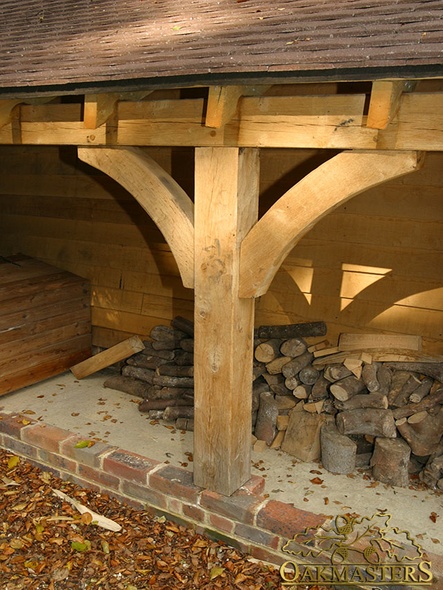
point(374, 264)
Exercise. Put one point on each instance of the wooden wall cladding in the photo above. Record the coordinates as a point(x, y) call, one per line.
point(374, 264)
point(45, 321)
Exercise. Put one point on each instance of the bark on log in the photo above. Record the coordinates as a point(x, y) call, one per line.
point(369, 377)
point(174, 412)
point(166, 333)
point(423, 437)
point(146, 375)
point(186, 326)
point(320, 389)
point(266, 424)
point(184, 424)
point(161, 404)
point(293, 330)
point(338, 452)
point(268, 351)
point(257, 389)
point(292, 383)
point(422, 390)
point(363, 400)
point(293, 347)
point(167, 355)
point(276, 366)
point(309, 375)
point(399, 378)
point(280, 389)
point(273, 379)
point(158, 392)
point(171, 381)
point(384, 376)
point(183, 358)
point(127, 385)
point(335, 373)
point(390, 461)
point(170, 345)
point(370, 421)
point(175, 371)
point(409, 387)
point(297, 364)
point(434, 370)
point(428, 402)
point(346, 388)
point(187, 344)
point(146, 361)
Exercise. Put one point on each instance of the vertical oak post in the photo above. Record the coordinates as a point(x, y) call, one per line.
point(226, 207)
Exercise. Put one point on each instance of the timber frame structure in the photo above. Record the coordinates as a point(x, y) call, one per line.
point(379, 127)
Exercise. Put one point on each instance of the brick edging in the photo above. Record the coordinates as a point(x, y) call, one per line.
point(247, 520)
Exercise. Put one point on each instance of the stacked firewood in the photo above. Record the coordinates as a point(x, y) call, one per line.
point(348, 408)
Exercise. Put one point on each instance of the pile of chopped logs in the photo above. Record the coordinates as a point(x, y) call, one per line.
point(358, 405)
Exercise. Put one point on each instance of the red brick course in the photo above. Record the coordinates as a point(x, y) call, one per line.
point(127, 465)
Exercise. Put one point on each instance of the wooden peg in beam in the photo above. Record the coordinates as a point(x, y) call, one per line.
point(384, 102)
point(98, 109)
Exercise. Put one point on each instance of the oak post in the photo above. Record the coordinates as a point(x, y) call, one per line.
point(226, 207)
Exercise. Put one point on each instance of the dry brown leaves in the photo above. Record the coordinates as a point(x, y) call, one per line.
point(46, 544)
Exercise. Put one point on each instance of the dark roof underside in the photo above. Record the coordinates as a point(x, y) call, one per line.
point(68, 44)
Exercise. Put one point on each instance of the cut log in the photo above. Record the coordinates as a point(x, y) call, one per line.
point(167, 333)
point(161, 404)
point(158, 392)
point(167, 355)
point(146, 361)
point(292, 382)
point(293, 347)
point(354, 365)
point(141, 373)
point(284, 404)
point(183, 358)
point(185, 424)
point(334, 373)
point(384, 377)
point(171, 381)
point(428, 402)
point(424, 436)
point(433, 470)
point(268, 351)
point(338, 452)
point(277, 379)
point(363, 400)
point(302, 438)
point(309, 375)
point(409, 387)
point(175, 371)
point(399, 378)
point(431, 369)
point(278, 440)
point(172, 413)
point(266, 424)
point(302, 391)
point(275, 366)
point(108, 357)
point(294, 366)
point(370, 421)
point(422, 390)
point(390, 461)
point(379, 341)
point(127, 385)
point(181, 323)
point(320, 389)
point(285, 332)
point(369, 377)
point(187, 344)
point(346, 388)
point(314, 406)
point(280, 389)
point(282, 422)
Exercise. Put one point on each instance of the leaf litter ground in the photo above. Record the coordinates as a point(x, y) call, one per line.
point(46, 543)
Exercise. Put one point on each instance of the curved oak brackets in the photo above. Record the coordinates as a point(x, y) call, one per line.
point(298, 210)
point(160, 196)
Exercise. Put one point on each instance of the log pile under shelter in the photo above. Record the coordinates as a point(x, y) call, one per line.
point(373, 401)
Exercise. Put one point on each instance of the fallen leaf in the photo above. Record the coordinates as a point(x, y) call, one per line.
point(83, 444)
point(215, 572)
point(13, 462)
point(81, 547)
point(433, 516)
point(316, 481)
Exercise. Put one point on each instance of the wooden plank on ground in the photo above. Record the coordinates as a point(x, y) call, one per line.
point(365, 341)
point(108, 357)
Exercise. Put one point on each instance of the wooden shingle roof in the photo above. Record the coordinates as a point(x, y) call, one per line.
point(75, 44)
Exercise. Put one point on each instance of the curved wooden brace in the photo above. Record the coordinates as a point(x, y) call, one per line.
point(298, 210)
point(160, 196)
